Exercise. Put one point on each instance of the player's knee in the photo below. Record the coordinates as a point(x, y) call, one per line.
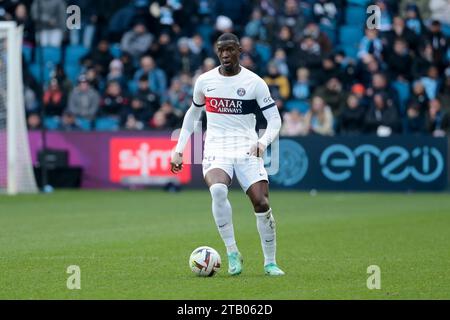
point(261, 204)
point(219, 192)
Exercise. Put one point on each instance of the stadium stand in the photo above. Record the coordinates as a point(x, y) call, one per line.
point(181, 41)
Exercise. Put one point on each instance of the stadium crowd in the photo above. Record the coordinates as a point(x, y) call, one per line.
point(132, 65)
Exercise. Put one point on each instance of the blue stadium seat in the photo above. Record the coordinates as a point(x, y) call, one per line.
point(83, 123)
point(132, 86)
point(330, 31)
point(52, 123)
point(362, 3)
point(264, 51)
point(27, 53)
point(205, 31)
point(74, 54)
point(50, 54)
point(355, 15)
point(35, 70)
point(350, 35)
point(350, 50)
point(299, 105)
point(404, 93)
point(72, 71)
point(106, 124)
point(115, 50)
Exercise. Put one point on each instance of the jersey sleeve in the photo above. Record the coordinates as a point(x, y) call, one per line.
point(198, 98)
point(263, 97)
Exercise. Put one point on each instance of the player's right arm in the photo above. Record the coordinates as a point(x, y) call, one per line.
point(191, 117)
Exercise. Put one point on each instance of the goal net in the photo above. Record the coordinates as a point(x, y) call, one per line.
point(16, 169)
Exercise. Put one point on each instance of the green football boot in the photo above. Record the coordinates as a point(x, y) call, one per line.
point(235, 263)
point(272, 269)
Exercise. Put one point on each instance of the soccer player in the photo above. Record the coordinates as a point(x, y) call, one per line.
point(231, 93)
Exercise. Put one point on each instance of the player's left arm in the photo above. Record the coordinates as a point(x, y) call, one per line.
point(270, 111)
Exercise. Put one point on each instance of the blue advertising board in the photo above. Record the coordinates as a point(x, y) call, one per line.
point(360, 163)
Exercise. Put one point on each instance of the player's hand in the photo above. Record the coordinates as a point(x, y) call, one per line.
point(176, 163)
point(257, 149)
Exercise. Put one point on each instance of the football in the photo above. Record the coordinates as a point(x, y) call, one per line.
point(204, 261)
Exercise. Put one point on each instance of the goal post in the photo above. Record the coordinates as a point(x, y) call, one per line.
point(16, 168)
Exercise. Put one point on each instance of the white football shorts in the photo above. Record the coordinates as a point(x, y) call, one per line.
point(248, 170)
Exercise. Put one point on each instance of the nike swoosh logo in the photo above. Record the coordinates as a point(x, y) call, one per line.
point(208, 90)
point(269, 240)
point(223, 225)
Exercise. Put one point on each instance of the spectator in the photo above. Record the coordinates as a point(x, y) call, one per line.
point(178, 97)
point(69, 122)
point(98, 58)
point(385, 23)
point(415, 119)
point(21, 16)
point(83, 100)
point(64, 83)
point(439, 43)
point(116, 73)
point(293, 124)
point(370, 44)
point(419, 97)
point(302, 87)
point(137, 41)
point(351, 119)
point(185, 60)
point(279, 60)
point(128, 65)
point(54, 99)
point(136, 116)
point(438, 121)
point(423, 61)
point(414, 20)
point(291, 17)
point(156, 77)
point(308, 55)
point(400, 31)
point(431, 82)
point(325, 14)
point(285, 41)
point(49, 17)
point(381, 118)
point(162, 49)
point(312, 30)
point(333, 95)
point(256, 28)
point(237, 10)
point(147, 96)
point(113, 102)
point(34, 121)
point(444, 95)
point(278, 84)
point(400, 61)
point(380, 84)
point(163, 118)
point(248, 48)
point(30, 100)
point(328, 70)
point(319, 119)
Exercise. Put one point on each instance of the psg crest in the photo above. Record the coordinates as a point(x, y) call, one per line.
point(241, 92)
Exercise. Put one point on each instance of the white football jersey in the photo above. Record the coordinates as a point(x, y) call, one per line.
point(230, 104)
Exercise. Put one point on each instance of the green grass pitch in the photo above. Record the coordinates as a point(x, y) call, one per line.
point(136, 245)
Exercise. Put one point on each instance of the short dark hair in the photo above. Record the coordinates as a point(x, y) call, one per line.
point(228, 37)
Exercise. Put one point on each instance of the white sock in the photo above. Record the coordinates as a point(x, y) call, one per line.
point(266, 228)
point(222, 213)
